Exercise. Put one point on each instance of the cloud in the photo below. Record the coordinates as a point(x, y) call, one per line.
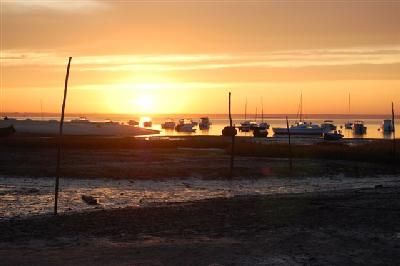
point(55, 5)
point(192, 62)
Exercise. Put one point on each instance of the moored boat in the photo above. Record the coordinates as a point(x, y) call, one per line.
point(359, 128)
point(147, 123)
point(328, 125)
point(336, 135)
point(133, 123)
point(185, 125)
point(169, 124)
point(300, 128)
point(229, 131)
point(205, 123)
point(260, 133)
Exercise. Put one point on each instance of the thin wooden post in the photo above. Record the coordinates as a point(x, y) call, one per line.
point(233, 140)
point(290, 144)
point(60, 139)
point(394, 133)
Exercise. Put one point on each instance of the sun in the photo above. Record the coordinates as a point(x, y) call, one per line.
point(145, 103)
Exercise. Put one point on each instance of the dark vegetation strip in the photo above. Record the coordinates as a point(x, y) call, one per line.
point(378, 151)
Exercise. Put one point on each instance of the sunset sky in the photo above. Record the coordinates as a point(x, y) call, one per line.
point(184, 56)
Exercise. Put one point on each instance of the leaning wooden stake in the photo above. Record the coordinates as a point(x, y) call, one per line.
point(60, 139)
point(394, 133)
point(233, 140)
point(290, 144)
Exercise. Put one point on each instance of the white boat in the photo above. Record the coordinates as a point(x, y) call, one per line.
point(328, 125)
point(300, 128)
point(185, 125)
point(169, 124)
point(205, 123)
point(359, 128)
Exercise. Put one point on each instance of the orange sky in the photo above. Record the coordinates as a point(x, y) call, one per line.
point(184, 56)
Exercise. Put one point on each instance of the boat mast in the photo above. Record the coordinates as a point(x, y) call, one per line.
point(262, 110)
point(301, 107)
point(256, 114)
point(245, 110)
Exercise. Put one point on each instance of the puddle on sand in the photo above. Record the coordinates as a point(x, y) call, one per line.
point(24, 196)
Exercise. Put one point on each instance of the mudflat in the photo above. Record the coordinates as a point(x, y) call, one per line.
point(331, 228)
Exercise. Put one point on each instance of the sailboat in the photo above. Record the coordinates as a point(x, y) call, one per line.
point(349, 125)
point(263, 125)
point(246, 124)
point(301, 127)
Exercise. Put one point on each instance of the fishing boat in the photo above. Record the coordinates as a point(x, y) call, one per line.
point(7, 131)
point(301, 127)
point(359, 128)
point(336, 135)
point(328, 125)
point(185, 125)
point(205, 123)
point(169, 124)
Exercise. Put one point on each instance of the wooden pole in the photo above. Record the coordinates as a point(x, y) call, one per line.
point(60, 139)
point(394, 133)
point(233, 140)
point(290, 144)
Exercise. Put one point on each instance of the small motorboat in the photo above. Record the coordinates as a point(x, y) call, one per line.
point(348, 125)
point(229, 131)
point(185, 125)
point(336, 135)
point(359, 128)
point(205, 123)
point(169, 124)
point(7, 131)
point(147, 124)
point(328, 125)
point(133, 123)
point(264, 125)
point(260, 133)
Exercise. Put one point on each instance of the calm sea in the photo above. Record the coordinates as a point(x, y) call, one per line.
point(373, 122)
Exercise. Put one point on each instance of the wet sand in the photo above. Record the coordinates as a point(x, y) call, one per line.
point(344, 211)
point(352, 227)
